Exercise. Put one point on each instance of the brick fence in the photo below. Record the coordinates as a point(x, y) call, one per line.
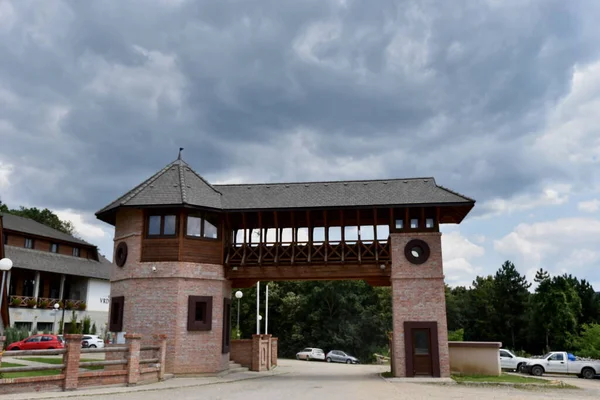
point(134, 369)
point(258, 354)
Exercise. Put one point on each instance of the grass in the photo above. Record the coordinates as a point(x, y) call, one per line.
point(504, 378)
point(55, 361)
point(516, 380)
point(387, 374)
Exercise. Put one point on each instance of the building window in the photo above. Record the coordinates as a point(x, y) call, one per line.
point(399, 224)
point(116, 314)
point(28, 243)
point(429, 223)
point(162, 225)
point(194, 226)
point(54, 247)
point(23, 325)
point(414, 223)
point(76, 251)
point(199, 313)
point(5, 239)
point(45, 327)
point(205, 226)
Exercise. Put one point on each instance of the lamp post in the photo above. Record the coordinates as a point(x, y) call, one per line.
point(238, 296)
point(56, 306)
point(5, 266)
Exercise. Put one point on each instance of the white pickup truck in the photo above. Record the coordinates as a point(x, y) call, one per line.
point(558, 362)
point(509, 360)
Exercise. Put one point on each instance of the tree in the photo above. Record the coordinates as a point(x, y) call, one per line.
point(556, 308)
point(481, 314)
point(45, 216)
point(511, 296)
point(588, 343)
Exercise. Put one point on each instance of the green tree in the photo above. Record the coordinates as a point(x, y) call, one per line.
point(556, 308)
point(481, 314)
point(588, 343)
point(511, 296)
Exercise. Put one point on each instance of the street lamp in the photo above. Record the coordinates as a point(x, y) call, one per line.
point(56, 306)
point(238, 296)
point(5, 266)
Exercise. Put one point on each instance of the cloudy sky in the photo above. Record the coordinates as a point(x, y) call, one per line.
point(497, 99)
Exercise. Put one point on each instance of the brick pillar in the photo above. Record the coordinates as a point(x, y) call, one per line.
point(71, 360)
point(418, 295)
point(273, 352)
point(133, 342)
point(162, 354)
point(255, 366)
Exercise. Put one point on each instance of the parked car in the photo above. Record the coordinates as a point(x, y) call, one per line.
point(561, 362)
point(311, 353)
point(92, 341)
point(38, 342)
point(340, 356)
point(510, 361)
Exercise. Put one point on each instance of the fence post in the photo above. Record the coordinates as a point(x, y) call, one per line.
point(162, 354)
point(133, 358)
point(71, 360)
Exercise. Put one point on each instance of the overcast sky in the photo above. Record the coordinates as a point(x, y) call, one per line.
point(496, 99)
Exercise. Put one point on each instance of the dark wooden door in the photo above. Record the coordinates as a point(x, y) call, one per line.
point(422, 354)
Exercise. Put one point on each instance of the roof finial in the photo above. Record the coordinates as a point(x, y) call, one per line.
point(180, 150)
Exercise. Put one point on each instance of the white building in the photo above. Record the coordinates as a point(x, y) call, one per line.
point(51, 267)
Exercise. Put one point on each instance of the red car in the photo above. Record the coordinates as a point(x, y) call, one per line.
point(38, 342)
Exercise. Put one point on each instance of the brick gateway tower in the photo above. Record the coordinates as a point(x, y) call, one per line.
point(182, 244)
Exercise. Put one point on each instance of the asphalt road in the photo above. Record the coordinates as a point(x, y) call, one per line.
point(308, 380)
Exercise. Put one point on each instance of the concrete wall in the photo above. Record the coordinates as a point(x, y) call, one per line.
point(98, 293)
point(475, 358)
point(418, 296)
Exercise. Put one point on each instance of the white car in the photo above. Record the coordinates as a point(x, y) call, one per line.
point(311, 353)
point(510, 361)
point(92, 342)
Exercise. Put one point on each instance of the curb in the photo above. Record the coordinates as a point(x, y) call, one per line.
point(117, 390)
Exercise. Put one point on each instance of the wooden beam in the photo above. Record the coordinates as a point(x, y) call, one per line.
point(359, 242)
point(343, 235)
point(326, 243)
point(422, 221)
point(277, 236)
point(245, 241)
point(310, 235)
point(294, 234)
point(312, 272)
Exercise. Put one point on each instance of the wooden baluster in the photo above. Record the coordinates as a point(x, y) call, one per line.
point(261, 242)
point(245, 239)
point(277, 237)
point(326, 242)
point(343, 235)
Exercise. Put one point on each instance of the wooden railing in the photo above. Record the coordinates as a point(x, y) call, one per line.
point(43, 302)
point(348, 252)
point(130, 369)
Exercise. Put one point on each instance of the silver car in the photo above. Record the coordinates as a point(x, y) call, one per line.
point(340, 356)
point(311, 353)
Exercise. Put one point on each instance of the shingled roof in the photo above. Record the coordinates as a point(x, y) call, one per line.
point(58, 263)
point(26, 225)
point(177, 184)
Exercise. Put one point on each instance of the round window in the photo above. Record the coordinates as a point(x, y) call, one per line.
point(417, 251)
point(121, 254)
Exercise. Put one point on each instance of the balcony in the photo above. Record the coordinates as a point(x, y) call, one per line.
point(45, 303)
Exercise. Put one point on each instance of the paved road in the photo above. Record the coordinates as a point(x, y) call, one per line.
point(301, 380)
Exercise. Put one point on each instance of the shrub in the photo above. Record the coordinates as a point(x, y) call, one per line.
point(82, 306)
point(16, 301)
point(70, 305)
point(87, 322)
point(32, 302)
point(93, 331)
point(457, 335)
point(44, 303)
point(75, 327)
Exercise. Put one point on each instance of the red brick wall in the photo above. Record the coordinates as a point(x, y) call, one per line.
point(156, 301)
point(241, 352)
point(418, 295)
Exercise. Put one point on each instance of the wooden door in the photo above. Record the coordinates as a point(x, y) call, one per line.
point(422, 351)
